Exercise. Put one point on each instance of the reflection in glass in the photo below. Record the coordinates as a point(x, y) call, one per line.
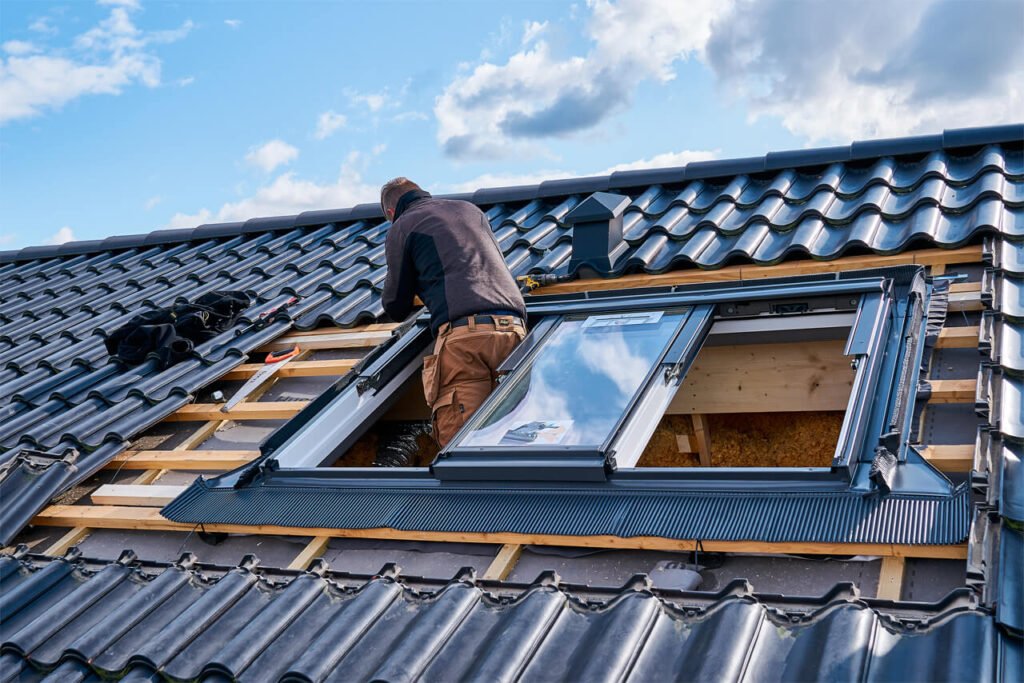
point(579, 383)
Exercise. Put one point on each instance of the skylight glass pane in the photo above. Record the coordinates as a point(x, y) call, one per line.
point(578, 385)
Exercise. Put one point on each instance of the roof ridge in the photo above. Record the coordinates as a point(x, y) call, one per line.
point(772, 161)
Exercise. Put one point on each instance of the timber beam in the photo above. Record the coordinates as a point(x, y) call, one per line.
point(953, 390)
point(218, 461)
point(300, 368)
point(268, 410)
point(923, 257)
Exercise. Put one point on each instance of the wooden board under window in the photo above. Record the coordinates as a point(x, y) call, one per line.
point(767, 378)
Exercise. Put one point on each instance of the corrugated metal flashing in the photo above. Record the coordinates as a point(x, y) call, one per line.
point(581, 510)
point(71, 619)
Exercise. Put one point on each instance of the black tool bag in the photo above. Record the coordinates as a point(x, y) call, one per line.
point(169, 334)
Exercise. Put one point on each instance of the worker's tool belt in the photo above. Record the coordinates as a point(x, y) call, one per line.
point(496, 320)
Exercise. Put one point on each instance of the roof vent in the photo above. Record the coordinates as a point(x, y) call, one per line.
point(597, 231)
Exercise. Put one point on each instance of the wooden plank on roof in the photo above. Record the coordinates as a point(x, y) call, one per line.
point(122, 517)
point(218, 461)
point(957, 458)
point(965, 301)
point(336, 340)
point(308, 368)
point(958, 338)
point(890, 578)
point(72, 538)
point(314, 549)
point(136, 494)
point(924, 257)
point(953, 390)
point(504, 562)
point(269, 410)
point(702, 435)
point(963, 287)
point(375, 327)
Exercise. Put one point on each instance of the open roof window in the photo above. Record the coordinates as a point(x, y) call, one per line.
point(574, 386)
point(794, 378)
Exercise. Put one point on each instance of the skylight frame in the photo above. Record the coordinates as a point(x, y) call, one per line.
point(394, 359)
point(589, 462)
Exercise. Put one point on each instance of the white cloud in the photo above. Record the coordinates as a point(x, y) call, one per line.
point(272, 154)
point(289, 194)
point(19, 47)
point(105, 59)
point(503, 110)
point(374, 101)
point(834, 71)
point(131, 4)
point(328, 123)
point(185, 82)
point(666, 160)
point(152, 202)
point(507, 180)
point(43, 25)
point(407, 116)
point(532, 30)
point(891, 69)
point(63, 235)
point(233, 23)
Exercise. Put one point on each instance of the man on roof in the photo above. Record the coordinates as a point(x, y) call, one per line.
point(443, 251)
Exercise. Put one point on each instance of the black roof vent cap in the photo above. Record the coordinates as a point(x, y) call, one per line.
point(597, 231)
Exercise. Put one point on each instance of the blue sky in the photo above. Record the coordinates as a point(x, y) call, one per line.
point(127, 116)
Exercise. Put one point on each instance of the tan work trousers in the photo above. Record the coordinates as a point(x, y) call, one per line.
point(462, 372)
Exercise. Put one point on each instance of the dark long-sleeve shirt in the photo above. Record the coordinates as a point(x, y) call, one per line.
point(443, 251)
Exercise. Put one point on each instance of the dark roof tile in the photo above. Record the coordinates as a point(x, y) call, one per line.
point(192, 621)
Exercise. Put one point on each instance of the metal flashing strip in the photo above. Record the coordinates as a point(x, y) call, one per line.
point(829, 505)
point(585, 510)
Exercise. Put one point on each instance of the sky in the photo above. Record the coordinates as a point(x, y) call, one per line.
point(127, 116)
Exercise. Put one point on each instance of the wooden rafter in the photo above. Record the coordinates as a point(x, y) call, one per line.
point(504, 562)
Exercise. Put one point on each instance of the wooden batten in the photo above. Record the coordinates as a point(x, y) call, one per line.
point(956, 458)
point(136, 494)
point(504, 562)
point(953, 390)
point(308, 368)
point(314, 549)
point(217, 461)
point(269, 410)
point(958, 338)
point(923, 257)
point(890, 578)
point(337, 340)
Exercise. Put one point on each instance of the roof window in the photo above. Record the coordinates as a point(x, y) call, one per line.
point(778, 377)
